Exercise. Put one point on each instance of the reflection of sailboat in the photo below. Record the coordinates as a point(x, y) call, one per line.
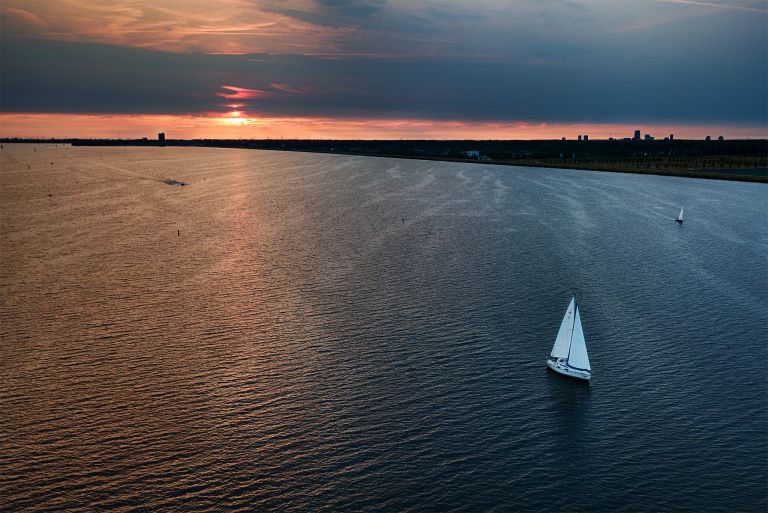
point(680, 216)
point(569, 354)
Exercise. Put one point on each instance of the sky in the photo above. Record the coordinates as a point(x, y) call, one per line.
point(391, 69)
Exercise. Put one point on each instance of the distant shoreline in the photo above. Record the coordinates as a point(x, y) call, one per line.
point(760, 174)
point(735, 160)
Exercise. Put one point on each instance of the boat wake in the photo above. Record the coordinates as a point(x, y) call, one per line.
point(174, 183)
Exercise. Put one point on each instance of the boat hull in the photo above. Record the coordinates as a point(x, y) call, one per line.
point(566, 371)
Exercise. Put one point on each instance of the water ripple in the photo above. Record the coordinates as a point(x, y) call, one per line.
point(298, 332)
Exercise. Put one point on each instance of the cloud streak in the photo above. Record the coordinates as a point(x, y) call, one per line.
point(226, 26)
point(241, 93)
point(718, 6)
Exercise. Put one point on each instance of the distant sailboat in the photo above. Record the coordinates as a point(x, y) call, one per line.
point(569, 354)
point(680, 216)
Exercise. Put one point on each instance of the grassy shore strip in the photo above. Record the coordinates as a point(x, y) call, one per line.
point(757, 175)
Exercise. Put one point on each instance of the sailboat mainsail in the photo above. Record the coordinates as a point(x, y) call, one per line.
point(680, 216)
point(569, 353)
point(577, 356)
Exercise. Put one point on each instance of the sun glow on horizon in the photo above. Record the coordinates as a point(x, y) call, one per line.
point(235, 118)
point(238, 124)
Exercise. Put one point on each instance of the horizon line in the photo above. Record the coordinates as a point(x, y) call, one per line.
point(363, 139)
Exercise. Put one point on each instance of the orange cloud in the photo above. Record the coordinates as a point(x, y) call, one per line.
point(241, 93)
point(224, 26)
point(289, 89)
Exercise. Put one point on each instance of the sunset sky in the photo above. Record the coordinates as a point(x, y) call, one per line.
point(383, 68)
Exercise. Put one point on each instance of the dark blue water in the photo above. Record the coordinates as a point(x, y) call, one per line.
point(332, 333)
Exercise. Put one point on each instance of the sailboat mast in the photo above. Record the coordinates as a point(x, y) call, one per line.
point(573, 326)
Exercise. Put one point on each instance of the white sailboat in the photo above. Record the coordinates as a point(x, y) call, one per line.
point(680, 216)
point(569, 354)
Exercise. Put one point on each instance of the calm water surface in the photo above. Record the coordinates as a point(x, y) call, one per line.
point(301, 332)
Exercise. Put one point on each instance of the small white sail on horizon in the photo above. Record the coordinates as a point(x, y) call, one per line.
point(680, 216)
point(569, 353)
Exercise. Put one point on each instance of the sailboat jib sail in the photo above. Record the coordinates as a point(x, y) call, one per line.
point(563, 340)
point(569, 353)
